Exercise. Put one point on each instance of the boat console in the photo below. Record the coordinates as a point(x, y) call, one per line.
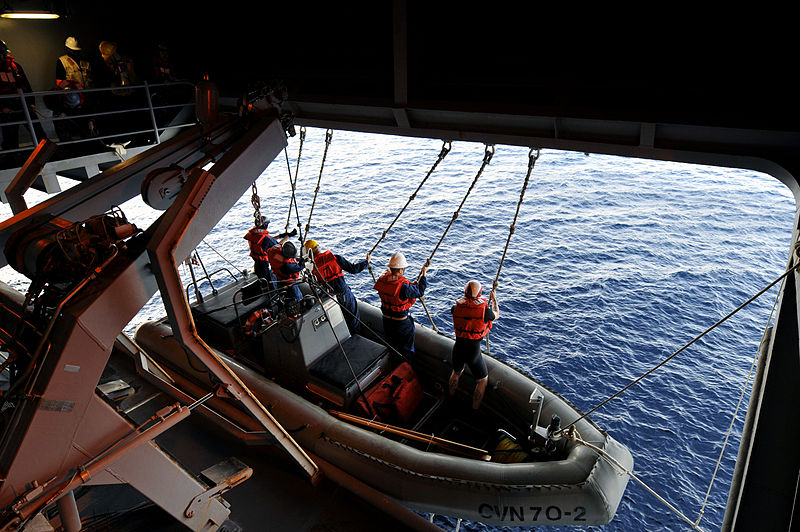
point(305, 345)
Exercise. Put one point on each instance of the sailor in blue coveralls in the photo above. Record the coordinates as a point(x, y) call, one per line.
point(329, 269)
point(398, 295)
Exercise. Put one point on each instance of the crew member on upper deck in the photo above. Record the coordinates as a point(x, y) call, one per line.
point(398, 295)
point(472, 320)
point(12, 79)
point(329, 269)
point(74, 72)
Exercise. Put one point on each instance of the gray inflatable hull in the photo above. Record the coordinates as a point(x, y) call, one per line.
point(582, 489)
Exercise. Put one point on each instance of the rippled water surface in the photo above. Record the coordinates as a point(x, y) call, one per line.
point(615, 264)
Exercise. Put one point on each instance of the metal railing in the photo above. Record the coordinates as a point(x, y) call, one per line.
point(27, 99)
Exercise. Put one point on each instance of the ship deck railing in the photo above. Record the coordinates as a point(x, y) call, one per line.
point(145, 120)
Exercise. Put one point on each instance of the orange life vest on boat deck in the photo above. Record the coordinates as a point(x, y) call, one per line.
point(256, 321)
point(326, 268)
point(388, 287)
point(276, 260)
point(255, 237)
point(468, 318)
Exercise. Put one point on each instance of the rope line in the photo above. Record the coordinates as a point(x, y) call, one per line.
point(695, 339)
point(328, 137)
point(735, 415)
point(293, 182)
point(613, 461)
point(294, 202)
point(446, 146)
point(221, 256)
point(531, 163)
point(487, 157)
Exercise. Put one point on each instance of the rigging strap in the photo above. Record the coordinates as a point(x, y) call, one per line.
point(293, 182)
point(446, 146)
point(328, 137)
point(531, 162)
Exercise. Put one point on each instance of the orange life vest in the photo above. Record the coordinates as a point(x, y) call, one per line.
point(276, 260)
point(256, 321)
point(468, 318)
point(9, 79)
point(326, 268)
point(388, 287)
point(255, 237)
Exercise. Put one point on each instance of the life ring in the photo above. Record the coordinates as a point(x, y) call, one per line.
point(257, 322)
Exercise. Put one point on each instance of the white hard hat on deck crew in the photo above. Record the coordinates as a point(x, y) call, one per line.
point(398, 260)
point(473, 289)
point(72, 43)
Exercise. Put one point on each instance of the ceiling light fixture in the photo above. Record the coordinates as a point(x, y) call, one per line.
point(35, 15)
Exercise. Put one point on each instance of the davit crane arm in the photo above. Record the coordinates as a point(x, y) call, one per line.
point(59, 431)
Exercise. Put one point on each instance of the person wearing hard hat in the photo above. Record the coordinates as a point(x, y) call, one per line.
point(398, 295)
point(329, 269)
point(259, 240)
point(73, 65)
point(74, 72)
point(472, 320)
point(286, 267)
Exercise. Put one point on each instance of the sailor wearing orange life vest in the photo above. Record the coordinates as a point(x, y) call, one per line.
point(329, 269)
point(12, 79)
point(286, 267)
point(259, 240)
point(398, 295)
point(472, 320)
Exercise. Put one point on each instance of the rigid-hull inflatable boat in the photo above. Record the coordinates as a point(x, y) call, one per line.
point(351, 401)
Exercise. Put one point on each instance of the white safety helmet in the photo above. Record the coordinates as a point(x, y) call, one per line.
point(72, 43)
point(398, 260)
point(473, 289)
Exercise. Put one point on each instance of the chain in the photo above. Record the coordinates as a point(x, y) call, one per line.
point(256, 202)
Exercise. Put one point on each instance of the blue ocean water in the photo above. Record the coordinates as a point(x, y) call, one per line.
point(615, 264)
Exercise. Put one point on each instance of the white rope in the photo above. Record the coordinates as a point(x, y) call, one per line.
point(613, 461)
point(738, 406)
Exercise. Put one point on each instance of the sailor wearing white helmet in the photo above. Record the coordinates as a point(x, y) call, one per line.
point(398, 295)
point(472, 320)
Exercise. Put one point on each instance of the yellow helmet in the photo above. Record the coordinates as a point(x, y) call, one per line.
point(310, 244)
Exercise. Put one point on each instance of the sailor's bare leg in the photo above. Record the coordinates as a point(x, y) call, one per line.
point(480, 388)
point(454, 381)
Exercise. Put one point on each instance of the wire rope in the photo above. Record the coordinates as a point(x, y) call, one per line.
point(487, 157)
point(685, 346)
point(512, 228)
point(735, 414)
point(328, 138)
point(446, 147)
point(294, 181)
